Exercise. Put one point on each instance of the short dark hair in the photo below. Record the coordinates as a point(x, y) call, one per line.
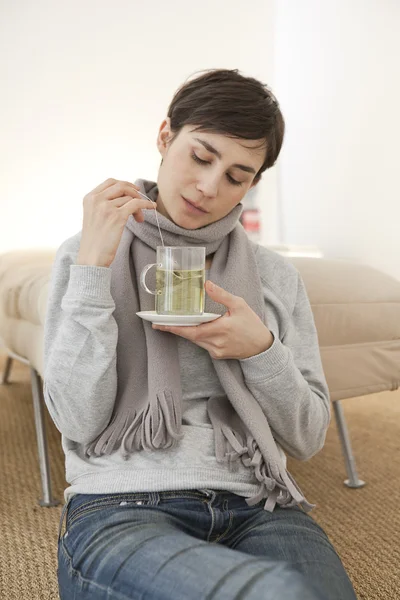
point(225, 101)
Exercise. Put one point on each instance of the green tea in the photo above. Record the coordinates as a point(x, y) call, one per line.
point(180, 292)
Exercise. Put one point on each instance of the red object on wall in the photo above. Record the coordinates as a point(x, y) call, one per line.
point(251, 221)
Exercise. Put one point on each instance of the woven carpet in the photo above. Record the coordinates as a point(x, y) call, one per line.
point(363, 524)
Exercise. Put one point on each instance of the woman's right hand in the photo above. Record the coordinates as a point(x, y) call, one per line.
point(105, 212)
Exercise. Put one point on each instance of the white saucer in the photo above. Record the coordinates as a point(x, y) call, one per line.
point(176, 320)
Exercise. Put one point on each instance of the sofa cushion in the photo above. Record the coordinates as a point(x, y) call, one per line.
point(357, 314)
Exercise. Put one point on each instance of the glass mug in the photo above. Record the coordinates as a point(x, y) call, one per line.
point(180, 278)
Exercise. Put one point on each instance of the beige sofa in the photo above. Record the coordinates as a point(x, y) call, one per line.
point(356, 310)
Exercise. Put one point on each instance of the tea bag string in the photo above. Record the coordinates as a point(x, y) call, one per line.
point(155, 207)
point(179, 276)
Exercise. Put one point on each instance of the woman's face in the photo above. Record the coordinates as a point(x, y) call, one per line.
point(208, 170)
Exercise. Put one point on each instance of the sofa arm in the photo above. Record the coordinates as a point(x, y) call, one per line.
point(24, 281)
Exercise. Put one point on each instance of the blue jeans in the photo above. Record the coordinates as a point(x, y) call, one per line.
point(196, 545)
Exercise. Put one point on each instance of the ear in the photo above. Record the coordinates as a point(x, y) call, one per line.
point(164, 134)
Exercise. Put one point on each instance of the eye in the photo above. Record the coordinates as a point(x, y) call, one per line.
point(206, 162)
point(197, 159)
point(233, 181)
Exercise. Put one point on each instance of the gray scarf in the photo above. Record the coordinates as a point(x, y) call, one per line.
point(148, 407)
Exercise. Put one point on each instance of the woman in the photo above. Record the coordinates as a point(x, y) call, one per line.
point(175, 438)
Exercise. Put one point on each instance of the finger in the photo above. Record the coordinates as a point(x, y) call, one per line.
point(139, 216)
point(134, 205)
point(119, 189)
point(188, 333)
point(103, 186)
point(118, 202)
point(218, 294)
point(208, 331)
point(198, 334)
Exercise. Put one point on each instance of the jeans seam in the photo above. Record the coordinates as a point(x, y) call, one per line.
point(89, 511)
point(90, 507)
point(110, 500)
point(103, 502)
point(208, 502)
point(93, 505)
point(223, 534)
point(78, 574)
point(210, 508)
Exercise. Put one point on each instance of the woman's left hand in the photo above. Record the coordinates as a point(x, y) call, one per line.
point(238, 334)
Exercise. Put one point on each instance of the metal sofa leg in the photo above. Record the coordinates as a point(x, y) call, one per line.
point(38, 406)
point(353, 481)
point(7, 369)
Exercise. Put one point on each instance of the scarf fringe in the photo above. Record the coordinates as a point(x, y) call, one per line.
point(156, 427)
point(105, 442)
point(276, 483)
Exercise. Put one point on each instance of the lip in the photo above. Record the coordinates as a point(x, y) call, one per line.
point(194, 207)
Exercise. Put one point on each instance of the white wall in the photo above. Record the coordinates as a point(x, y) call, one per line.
point(87, 84)
point(337, 76)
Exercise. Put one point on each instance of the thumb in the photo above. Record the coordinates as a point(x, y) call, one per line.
point(218, 294)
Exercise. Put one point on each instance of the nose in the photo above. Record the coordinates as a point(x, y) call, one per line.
point(208, 185)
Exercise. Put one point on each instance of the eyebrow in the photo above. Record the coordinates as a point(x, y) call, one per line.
point(213, 150)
